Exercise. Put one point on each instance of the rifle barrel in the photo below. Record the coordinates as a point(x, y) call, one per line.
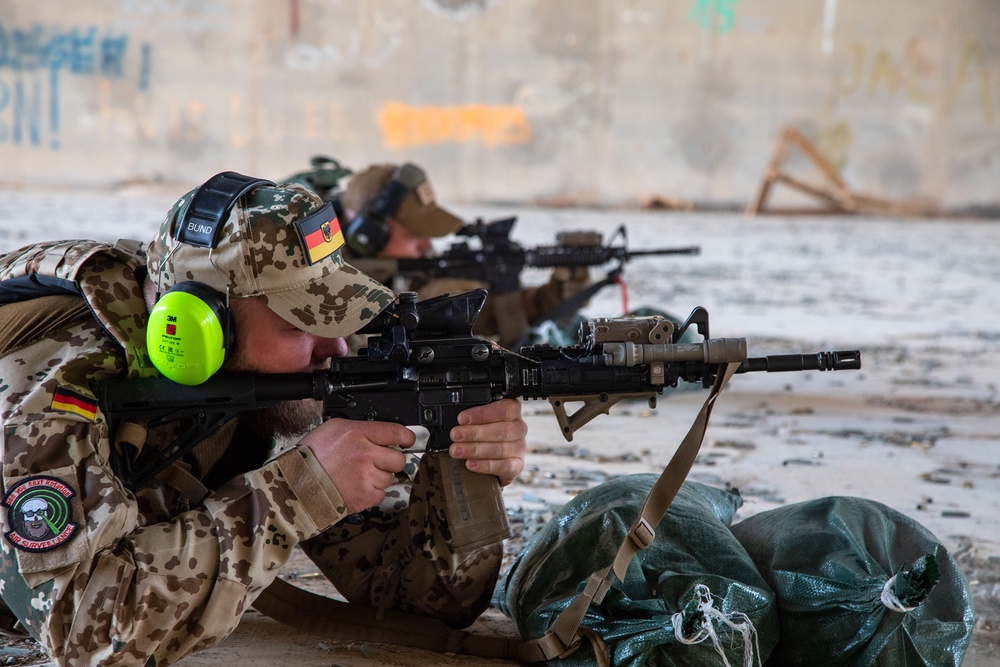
point(841, 360)
point(688, 250)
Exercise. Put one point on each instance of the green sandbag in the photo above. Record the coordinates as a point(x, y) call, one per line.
point(828, 561)
point(694, 560)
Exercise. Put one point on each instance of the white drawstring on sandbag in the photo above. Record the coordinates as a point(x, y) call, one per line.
point(889, 598)
point(737, 621)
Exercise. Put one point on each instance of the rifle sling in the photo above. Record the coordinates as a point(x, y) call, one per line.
point(640, 536)
point(334, 619)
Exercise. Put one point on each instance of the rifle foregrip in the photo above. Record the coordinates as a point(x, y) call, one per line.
point(476, 515)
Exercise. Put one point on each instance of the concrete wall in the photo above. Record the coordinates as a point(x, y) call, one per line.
point(583, 101)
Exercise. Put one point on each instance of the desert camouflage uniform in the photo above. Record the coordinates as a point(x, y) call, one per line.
point(149, 577)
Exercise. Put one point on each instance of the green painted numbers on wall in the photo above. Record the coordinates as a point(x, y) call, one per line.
point(714, 15)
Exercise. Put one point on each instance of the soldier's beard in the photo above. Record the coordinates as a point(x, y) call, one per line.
point(284, 420)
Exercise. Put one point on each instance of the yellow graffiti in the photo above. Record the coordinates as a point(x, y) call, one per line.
point(404, 126)
point(884, 72)
point(972, 57)
point(912, 74)
point(857, 51)
point(921, 70)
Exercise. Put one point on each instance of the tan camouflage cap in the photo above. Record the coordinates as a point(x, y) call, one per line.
point(260, 252)
point(419, 211)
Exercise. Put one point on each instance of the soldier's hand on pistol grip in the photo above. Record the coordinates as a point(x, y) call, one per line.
point(491, 439)
point(360, 457)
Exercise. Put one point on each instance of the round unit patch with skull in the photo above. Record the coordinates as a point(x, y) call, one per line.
point(39, 513)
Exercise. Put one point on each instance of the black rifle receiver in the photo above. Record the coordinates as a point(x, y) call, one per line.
point(497, 260)
point(423, 366)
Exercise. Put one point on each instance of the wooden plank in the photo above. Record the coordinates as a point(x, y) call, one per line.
point(835, 194)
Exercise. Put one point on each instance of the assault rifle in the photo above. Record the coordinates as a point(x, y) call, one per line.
point(423, 366)
point(497, 260)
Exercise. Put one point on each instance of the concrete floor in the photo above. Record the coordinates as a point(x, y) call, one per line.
point(916, 429)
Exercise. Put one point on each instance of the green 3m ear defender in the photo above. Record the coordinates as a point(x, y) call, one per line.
point(189, 332)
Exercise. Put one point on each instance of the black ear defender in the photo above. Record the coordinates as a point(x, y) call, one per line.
point(368, 232)
point(190, 331)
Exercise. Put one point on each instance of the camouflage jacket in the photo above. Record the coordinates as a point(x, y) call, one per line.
point(97, 574)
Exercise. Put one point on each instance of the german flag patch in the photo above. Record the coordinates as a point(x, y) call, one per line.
point(320, 234)
point(67, 400)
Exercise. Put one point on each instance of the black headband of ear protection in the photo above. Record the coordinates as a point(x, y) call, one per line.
point(211, 204)
point(404, 179)
point(386, 204)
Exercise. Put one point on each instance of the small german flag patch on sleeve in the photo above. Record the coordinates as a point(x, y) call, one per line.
point(67, 400)
point(320, 234)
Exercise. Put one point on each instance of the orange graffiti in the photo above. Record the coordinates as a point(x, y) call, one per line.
point(404, 126)
point(238, 138)
point(134, 118)
point(187, 122)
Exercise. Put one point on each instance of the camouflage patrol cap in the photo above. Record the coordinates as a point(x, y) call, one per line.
point(419, 212)
point(260, 252)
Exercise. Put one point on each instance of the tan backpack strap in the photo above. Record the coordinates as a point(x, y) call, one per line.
point(179, 478)
point(24, 322)
point(130, 247)
point(132, 434)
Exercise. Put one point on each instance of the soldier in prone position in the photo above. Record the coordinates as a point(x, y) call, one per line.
point(392, 213)
point(104, 568)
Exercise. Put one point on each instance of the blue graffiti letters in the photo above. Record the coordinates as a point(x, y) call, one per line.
point(78, 50)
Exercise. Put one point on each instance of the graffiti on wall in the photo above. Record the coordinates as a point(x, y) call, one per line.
point(971, 76)
point(34, 60)
point(405, 126)
point(459, 10)
point(369, 43)
point(188, 124)
point(714, 15)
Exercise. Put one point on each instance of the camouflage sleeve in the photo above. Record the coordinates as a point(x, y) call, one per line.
point(98, 580)
point(399, 555)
